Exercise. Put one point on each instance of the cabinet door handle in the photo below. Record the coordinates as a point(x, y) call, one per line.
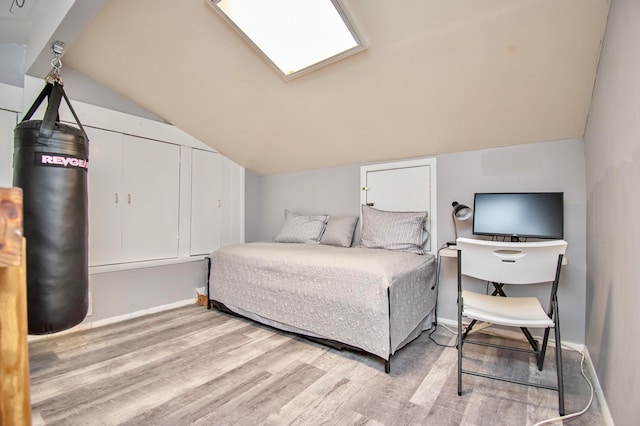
point(219, 203)
point(117, 198)
point(128, 198)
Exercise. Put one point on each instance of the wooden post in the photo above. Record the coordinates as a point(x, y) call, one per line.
point(15, 404)
point(10, 227)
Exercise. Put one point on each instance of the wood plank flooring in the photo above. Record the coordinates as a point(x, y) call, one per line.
point(191, 366)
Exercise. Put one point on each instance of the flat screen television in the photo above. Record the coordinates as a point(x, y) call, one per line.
point(519, 215)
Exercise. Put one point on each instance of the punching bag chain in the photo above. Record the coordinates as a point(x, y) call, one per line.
point(54, 75)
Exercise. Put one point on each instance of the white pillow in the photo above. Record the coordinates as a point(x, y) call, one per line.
point(339, 231)
point(402, 231)
point(301, 229)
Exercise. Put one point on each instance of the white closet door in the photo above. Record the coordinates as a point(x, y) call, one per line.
point(151, 176)
point(105, 197)
point(7, 124)
point(403, 186)
point(206, 202)
point(402, 189)
point(233, 205)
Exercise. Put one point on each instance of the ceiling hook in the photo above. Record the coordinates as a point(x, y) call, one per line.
point(57, 48)
point(54, 75)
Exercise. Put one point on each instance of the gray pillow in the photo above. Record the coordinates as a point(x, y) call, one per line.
point(402, 231)
point(339, 231)
point(301, 229)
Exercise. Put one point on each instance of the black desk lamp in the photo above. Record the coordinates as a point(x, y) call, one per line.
point(461, 213)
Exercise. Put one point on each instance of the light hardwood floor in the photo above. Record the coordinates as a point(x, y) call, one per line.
point(193, 366)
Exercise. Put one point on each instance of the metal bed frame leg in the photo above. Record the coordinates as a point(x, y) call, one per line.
point(208, 261)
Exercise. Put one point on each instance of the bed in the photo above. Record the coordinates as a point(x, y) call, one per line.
point(368, 298)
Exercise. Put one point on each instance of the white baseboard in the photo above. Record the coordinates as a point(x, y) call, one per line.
point(604, 407)
point(87, 325)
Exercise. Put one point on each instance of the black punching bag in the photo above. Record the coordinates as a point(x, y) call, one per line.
point(50, 163)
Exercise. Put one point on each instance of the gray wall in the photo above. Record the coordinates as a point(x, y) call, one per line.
point(252, 205)
point(123, 292)
point(612, 151)
point(550, 166)
point(334, 191)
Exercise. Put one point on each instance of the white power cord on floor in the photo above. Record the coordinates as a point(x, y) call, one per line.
point(478, 328)
point(449, 329)
point(576, 414)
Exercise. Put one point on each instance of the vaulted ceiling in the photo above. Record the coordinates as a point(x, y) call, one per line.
point(437, 77)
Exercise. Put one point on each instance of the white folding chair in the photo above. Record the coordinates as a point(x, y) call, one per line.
point(503, 263)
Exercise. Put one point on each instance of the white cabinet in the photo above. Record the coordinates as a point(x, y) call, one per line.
point(232, 203)
point(134, 198)
point(206, 201)
point(104, 187)
point(151, 178)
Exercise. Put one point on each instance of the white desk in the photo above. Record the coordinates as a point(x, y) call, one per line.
point(452, 251)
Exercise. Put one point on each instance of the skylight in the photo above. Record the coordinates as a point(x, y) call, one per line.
point(294, 36)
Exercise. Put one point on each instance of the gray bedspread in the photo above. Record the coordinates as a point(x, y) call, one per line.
point(373, 299)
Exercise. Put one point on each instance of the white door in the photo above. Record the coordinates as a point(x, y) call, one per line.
point(105, 197)
point(402, 189)
point(151, 193)
point(233, 203)
point(206, 202)
point(403, 186)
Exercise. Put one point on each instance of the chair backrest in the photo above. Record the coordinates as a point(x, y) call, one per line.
point(512, 263)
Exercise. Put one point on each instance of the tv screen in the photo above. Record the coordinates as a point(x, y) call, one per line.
point(519, 215)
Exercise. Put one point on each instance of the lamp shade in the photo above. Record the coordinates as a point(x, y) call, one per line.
point(460, 211)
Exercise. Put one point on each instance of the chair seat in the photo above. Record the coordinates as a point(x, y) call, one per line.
point(508, 311)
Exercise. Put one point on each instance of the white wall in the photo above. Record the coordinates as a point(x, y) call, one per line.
point(12, 64)
point(612, 147)
point(550, 166)
point(7, 124)
point(10, 106)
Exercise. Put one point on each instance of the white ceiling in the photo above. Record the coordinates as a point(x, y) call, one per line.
point(437, 77)
point(14, 20)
